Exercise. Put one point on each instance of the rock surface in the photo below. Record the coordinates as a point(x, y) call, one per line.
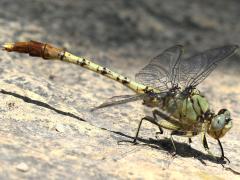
point(46, 126)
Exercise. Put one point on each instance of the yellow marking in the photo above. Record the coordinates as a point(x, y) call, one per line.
point(8, 46)
point(49, 52)
point(136, 87)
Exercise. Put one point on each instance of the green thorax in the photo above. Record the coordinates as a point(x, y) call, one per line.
point(188, 109)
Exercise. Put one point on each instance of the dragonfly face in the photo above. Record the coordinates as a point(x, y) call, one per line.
point(220, 124)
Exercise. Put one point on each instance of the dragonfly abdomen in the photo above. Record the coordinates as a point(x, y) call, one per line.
point(50, 52)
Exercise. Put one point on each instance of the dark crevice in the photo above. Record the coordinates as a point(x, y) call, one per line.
point(42, 104)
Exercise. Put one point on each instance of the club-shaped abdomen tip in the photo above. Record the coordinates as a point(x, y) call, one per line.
point(8, 46)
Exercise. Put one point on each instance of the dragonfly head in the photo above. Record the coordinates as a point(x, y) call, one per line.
point(220, 124)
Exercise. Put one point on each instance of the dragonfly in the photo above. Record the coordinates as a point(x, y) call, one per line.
point(168, 84)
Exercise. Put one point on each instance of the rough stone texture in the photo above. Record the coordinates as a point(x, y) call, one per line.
point(47, 130)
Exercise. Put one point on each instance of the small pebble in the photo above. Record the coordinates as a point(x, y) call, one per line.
point(60, 128)
point(22, 167)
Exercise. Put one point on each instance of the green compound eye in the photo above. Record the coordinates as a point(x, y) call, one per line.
point(218, 122)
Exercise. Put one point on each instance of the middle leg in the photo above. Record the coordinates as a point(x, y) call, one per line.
point(188, 134)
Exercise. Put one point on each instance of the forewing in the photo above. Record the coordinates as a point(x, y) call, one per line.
point(161, 72)
point(117, 100)
point(195, 69)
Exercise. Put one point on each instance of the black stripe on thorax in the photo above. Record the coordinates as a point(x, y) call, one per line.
point(184, 133)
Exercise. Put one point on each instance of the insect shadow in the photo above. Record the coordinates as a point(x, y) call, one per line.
point(183, 149)
point(40, 103)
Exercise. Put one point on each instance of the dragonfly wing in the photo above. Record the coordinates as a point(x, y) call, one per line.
point(161, 72)
point(195, 69)
point(116, 100)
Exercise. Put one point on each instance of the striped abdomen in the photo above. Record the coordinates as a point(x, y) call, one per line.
point(50, 52)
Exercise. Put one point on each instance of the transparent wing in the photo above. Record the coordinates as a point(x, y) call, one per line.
point(195, 69)
point(161, 72)
point(116, 100)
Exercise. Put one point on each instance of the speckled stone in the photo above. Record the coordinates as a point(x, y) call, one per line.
point(36, 95)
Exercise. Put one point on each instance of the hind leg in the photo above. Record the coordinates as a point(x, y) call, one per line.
point(152, 120)
point(149, 119)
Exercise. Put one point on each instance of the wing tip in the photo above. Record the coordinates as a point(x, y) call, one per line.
point(233, 46)
point(229, 49)
point(236, 47)
point(179, 46)
point(175, 47)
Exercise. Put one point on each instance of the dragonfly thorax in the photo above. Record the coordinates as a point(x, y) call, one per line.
point(190, 109)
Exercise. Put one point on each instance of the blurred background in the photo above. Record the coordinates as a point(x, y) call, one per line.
point(133, 27)
point(38, 97)
point(115, 32)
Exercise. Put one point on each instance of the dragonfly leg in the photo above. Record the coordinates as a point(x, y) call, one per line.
point(209, 152)
point(189, 142)
point(155, 113)
point(182, 133)
point(158, 133)
point(147, 118)
point(152, 120)
point(205, 145)
point(174, 147)
point(222, 152)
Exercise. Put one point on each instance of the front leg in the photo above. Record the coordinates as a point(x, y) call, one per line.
point(209, 152)
point(205, 145)
point(222, 152)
